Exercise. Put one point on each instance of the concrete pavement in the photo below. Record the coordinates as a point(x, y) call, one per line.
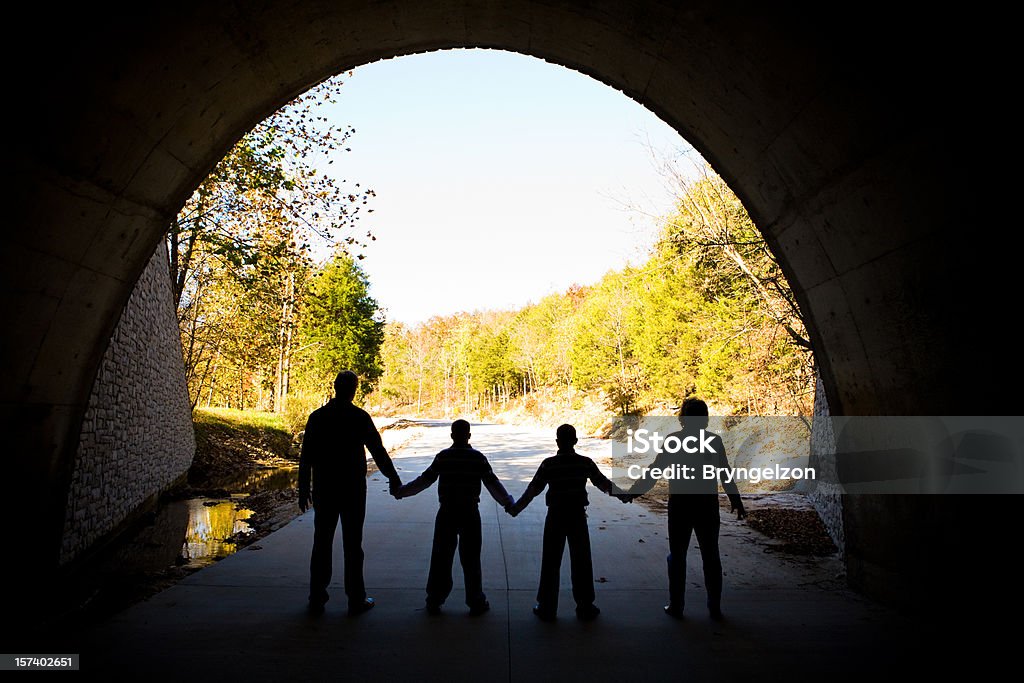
point(245, 616)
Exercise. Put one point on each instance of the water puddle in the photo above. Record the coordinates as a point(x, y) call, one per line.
point(199, 531)
point(213, 529)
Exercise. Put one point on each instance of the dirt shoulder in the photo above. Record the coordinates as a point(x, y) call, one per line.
point(232, 443)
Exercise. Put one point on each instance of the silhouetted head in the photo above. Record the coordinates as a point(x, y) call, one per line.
point(460, 431)
point(565, 437)
point(345, 385)
point(694, 414)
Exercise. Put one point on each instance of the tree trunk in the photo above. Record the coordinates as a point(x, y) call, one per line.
point(419, 397)
point(285, 338)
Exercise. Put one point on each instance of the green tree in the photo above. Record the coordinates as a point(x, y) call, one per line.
point(493, 365)
point(756, 354)
point(341, 327)
point(666, 339)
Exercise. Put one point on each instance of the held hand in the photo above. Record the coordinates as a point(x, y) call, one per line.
point(303, 502)
point(393, 487)
point(740, 513)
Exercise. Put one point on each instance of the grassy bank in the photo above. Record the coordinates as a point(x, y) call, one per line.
point(232, 442)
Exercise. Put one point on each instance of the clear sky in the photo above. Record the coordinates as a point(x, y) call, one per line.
point(500, 178)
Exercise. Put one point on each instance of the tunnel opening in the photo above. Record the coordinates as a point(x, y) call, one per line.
point(214, 246)
point(832, 150)
point(703, 216)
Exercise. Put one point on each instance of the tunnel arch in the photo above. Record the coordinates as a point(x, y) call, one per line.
point(828, 131)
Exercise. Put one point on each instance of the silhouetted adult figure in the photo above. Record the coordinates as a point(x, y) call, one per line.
point(461, 470)
point(693, 507)
point(565, 475)
point(333, 452)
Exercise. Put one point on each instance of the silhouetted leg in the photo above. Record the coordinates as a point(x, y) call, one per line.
point(353, 513)
point(551, 560)
point(580, 559)
point(439, 580)
point(680, 528)
point(325, 521)
point(707, 526)
point(470, 543)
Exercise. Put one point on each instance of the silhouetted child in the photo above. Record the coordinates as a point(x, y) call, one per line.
point(461, 469)
point(565, 475)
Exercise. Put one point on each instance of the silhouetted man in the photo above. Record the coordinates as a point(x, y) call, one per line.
point(333, 451)
point(566, 474)
point(693, 507)
point(461, 469)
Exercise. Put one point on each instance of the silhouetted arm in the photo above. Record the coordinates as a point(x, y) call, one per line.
point(532, 491)
point(496, 489)
point(730, 488)
point(420, 483)
point(646, 482)
point(306, 464)
point(380, 455)
point(602, 482)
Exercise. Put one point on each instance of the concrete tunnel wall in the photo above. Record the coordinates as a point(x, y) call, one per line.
point(137, 438)
point(831, 127)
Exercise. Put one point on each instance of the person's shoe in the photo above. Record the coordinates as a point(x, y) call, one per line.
point(716, 613)
point(479, 608)
point(674, 611)
point(357, 608)
point(433, 609)
point(544, 614)
point(587, 612)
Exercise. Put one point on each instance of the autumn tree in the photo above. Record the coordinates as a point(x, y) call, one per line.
point(241, 250)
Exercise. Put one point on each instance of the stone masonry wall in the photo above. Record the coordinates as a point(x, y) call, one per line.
point(137, 436)
point(826, 497)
